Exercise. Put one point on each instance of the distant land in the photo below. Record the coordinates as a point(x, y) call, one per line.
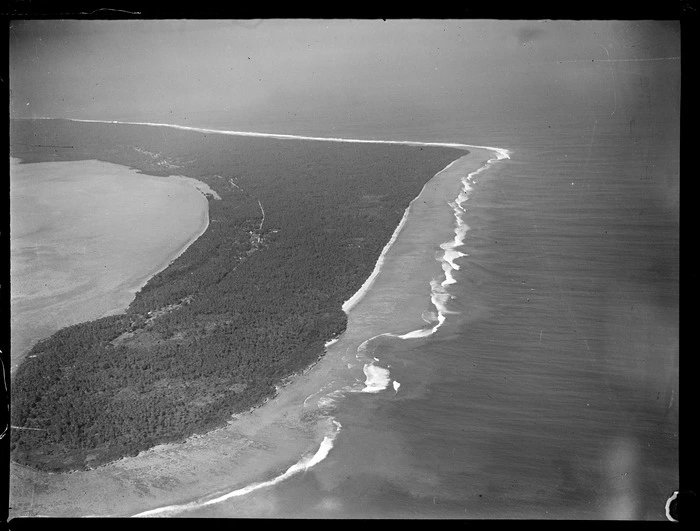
point(297, 229)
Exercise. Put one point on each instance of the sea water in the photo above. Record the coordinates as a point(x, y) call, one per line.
point(550, 389)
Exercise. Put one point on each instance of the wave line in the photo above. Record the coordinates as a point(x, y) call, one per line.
point(377, 378)
point(301, 466)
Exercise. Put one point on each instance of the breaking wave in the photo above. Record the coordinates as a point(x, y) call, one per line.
point(377, 378)
point(301, 466)
point(439, 293)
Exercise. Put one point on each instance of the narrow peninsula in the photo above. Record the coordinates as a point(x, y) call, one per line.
point(295, 228)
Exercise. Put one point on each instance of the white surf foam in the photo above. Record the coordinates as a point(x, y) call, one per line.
point(451, 254)
point(423, 332)
point(331, 342)
point(377, 378)
point(501, 153)
point(300, 466)
point(357, 296)
point(439, 294)
point(327, 401)
point(318, 392)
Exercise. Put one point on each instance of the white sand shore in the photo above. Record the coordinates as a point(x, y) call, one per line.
point(264, 443)
point(502, 152)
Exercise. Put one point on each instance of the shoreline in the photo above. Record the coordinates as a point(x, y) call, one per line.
point(261, 443)
point(502, 151)
point(360, 293)
point(114, 299)
point(134, 286)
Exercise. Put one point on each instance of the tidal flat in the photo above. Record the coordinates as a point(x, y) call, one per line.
point(86, 236)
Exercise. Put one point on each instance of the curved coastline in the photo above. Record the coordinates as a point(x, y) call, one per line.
point(502, 152)
point(378, 378)
point(132, 287)
point(264, 439)
point(114, 292)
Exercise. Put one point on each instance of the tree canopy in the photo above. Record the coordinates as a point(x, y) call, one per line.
point(241, 309)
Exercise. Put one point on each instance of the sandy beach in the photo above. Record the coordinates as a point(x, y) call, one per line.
point(263, 443)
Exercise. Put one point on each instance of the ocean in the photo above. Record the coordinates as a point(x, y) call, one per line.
point(550, 390)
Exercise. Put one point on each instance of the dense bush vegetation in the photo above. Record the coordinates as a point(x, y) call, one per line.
point(242, 308)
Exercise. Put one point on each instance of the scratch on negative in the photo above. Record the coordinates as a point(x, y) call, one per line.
point(612, 74)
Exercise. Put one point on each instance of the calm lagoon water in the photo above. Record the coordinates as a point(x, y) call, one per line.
point(86, 236)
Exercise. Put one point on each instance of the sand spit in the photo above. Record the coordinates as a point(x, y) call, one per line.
point(502, 152)
point(265, 443)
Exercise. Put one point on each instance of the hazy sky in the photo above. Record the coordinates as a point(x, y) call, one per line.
point(126, 69)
